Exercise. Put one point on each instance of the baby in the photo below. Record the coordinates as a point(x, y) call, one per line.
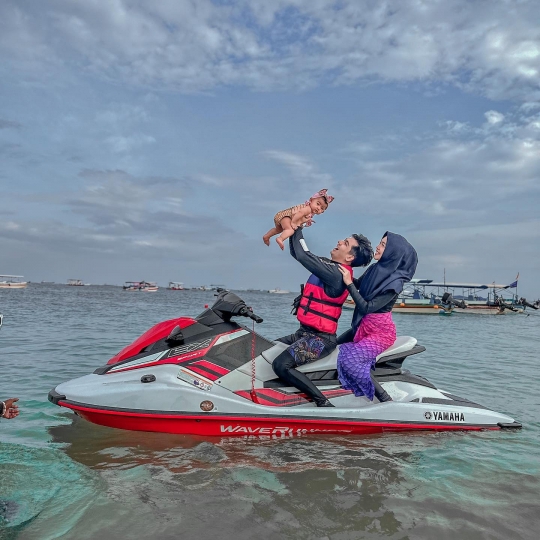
point(287, 221)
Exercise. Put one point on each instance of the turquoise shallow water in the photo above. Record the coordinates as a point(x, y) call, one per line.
point(61, 477)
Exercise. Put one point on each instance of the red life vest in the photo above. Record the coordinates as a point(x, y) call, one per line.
point(317, 309)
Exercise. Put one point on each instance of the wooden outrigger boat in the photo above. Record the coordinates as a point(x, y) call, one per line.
point(425, 296)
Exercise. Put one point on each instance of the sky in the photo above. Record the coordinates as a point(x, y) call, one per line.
point(156, 140)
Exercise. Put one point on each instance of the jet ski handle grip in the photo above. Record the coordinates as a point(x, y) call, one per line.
point(247, 312)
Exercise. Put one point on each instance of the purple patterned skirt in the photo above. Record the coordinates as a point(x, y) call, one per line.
point(375, 334)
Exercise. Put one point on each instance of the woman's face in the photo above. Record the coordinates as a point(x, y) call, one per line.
point(380, 249)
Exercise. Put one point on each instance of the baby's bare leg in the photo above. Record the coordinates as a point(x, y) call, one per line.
point(288, 230)
point(283, 236)
point(272, 232)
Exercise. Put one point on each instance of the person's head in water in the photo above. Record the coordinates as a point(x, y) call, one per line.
point(354, 251)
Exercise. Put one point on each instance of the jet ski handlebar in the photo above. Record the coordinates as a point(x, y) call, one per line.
point(248, 312)
point(229, 305)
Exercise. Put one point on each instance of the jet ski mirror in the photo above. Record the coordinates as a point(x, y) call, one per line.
point(175, 337)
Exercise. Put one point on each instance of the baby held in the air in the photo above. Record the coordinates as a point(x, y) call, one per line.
point(287, 221)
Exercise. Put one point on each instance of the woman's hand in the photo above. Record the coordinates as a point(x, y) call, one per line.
point(347, 278)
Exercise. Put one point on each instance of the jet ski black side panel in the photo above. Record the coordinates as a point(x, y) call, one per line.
point(236, 352)
point(394, 361)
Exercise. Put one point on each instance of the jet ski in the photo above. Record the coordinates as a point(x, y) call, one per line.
point(213, 376)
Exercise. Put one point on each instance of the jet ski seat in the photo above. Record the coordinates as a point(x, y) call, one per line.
point(402, 344)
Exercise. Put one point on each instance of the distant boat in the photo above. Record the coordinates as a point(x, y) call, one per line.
point(175, 286)
point(349, 303)
point(47, 282)
point(441, 298)
point(143, 286)
point(278, 291)
point(75, 282)
point(12, 282)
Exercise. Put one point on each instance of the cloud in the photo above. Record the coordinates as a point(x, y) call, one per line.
point(119, 226)
point(125, 206)
point(123, 215)
point(488, 175)
point(480, 253)
point(9, 124)
point(300, 167)
point(120, 144)
point(196, 46)
point(494, 117)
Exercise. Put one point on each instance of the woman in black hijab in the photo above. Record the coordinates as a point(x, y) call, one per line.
point(373, 329)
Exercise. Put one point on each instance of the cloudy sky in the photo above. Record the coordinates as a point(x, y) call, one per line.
point(157, 139)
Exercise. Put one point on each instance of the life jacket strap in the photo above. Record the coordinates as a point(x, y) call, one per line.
point(307, 307)
point(319, 314)
point(321, 301)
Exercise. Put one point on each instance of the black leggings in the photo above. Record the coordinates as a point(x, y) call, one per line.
point(284, 368)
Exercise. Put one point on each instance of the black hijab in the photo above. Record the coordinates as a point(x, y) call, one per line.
point(396, 267)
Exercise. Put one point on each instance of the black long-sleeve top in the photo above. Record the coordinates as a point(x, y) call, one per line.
point(383, 303)
point(325, 269)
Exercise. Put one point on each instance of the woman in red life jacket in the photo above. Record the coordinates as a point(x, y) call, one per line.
point(318, 308)
point(373, 330)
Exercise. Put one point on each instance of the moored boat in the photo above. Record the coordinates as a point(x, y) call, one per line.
point(175, 286)
point(12, 282)
point(424, 307)
point(142, 286)
point(426, 296)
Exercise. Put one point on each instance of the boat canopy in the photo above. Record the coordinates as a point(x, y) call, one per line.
point(470, 285)
point(431, 283)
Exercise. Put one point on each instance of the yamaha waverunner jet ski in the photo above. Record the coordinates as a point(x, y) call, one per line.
point(210, 375)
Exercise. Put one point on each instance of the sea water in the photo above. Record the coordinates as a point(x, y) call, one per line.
point(62, 477)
